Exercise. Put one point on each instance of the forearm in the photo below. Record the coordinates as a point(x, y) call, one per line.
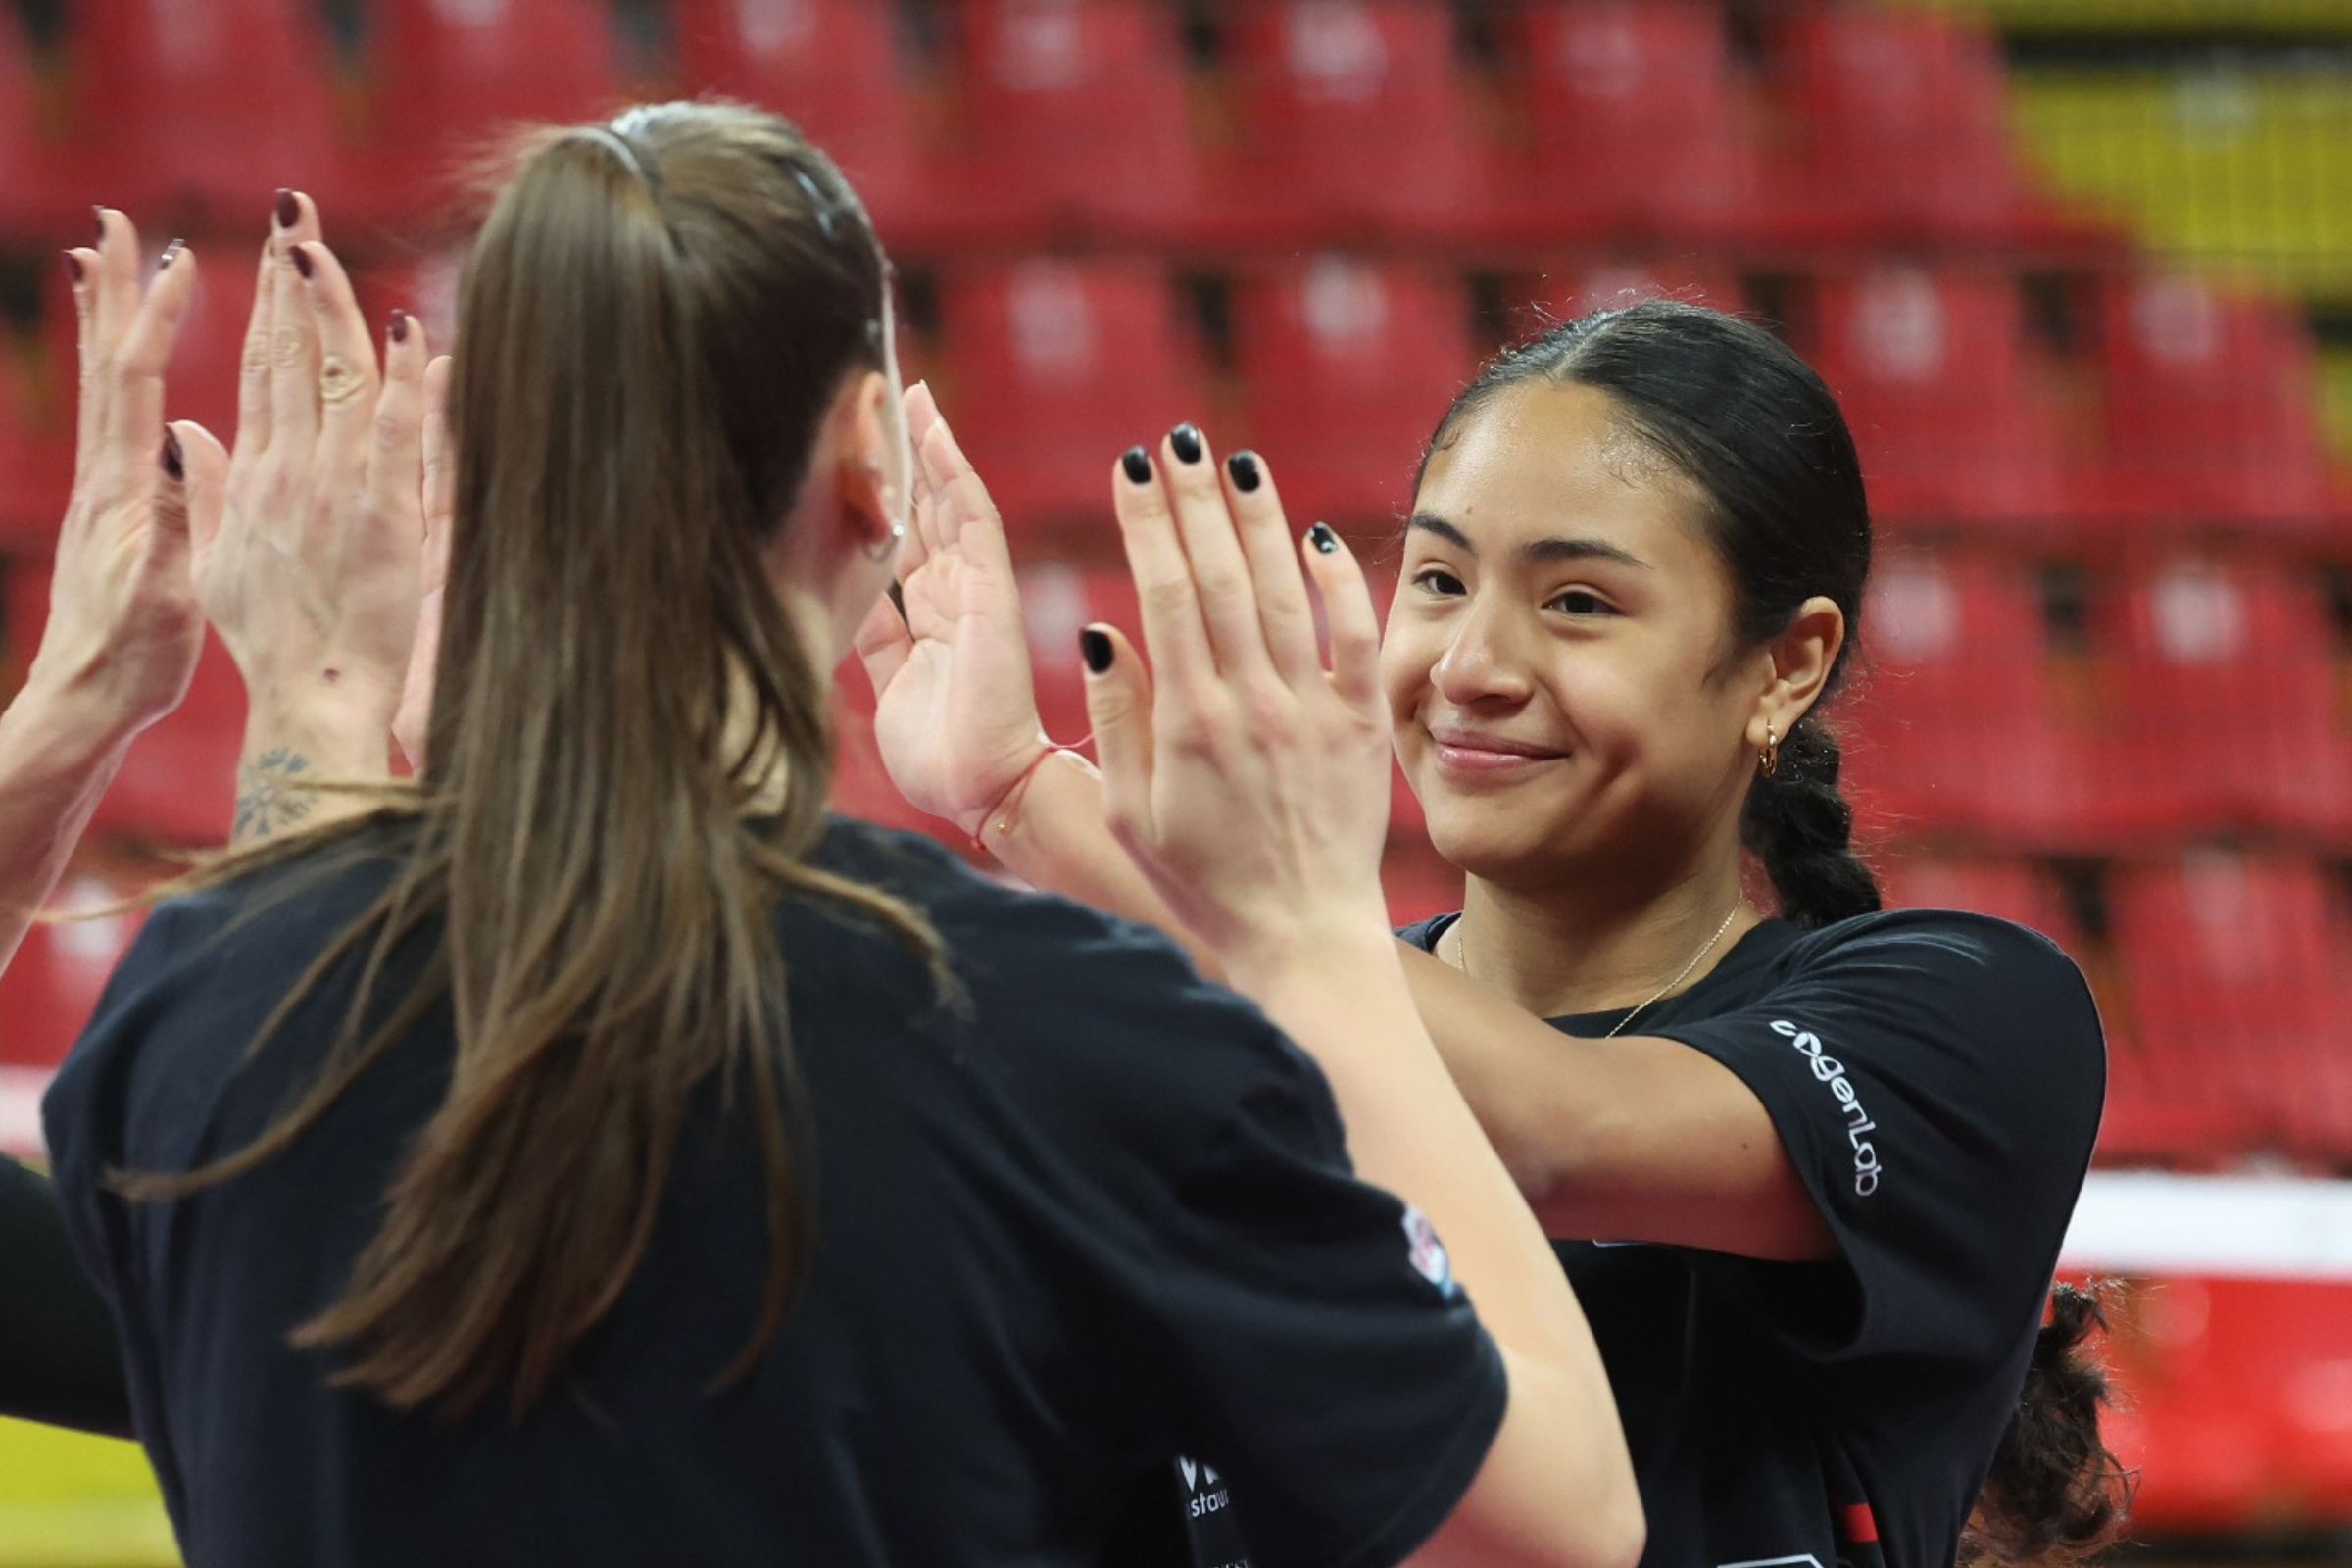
point(56, 758)
point(1053, 835)
point(299, 736)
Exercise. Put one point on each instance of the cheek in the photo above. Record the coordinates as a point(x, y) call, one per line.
point(1404, 666)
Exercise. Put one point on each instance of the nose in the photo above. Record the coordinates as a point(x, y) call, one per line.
point(1483, 663)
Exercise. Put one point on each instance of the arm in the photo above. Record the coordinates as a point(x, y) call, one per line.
point(1249, 786)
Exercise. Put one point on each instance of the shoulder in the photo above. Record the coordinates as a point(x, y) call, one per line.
point(1101, 1017)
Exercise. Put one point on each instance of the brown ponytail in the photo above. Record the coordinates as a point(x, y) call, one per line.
point(654, 319)
point(2055, 1494)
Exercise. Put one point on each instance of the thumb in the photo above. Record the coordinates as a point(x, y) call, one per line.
point(189, 501)
point(1118, 703)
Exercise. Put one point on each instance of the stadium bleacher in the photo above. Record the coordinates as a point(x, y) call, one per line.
point(2087, 307)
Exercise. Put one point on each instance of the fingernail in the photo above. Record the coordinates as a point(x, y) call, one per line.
point(74, 268)
point(171, 254)
point(99, 215)
point(1138, 464)
point(1322, 538)
point(175, 463)
point(1094, 646)
point(301, 260)
point(1243, 466)
point(399, 327)
point(289, 211)
point(1184, 442)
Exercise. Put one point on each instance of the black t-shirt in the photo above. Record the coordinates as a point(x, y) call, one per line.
point(1936, 1078)
point(1094, 1216)
point(56, 1353)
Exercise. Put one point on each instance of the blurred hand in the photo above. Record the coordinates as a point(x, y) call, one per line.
point(123, 624)
point(954, 712)
point(1249, 783)
point(310, 555)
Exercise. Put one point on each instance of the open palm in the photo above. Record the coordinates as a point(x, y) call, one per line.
point(954, 711)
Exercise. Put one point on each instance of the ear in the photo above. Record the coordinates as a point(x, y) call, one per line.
point(1802, 656)
point(873, 490)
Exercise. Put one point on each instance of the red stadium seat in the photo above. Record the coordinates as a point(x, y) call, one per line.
point(2235, 984)
point(1958, 724)
point(1057, 601)
point(1937, 383)
point(1635, 123)
point(1050, 368)
point(2006, 889)
point(189, 99)
point(1905, 124)
point(2211, 405)
point(2222, 700)
point(48, 167)
point(1348, 365)
point(1352, 119)
point(440, 78)
point(39, 396)
point(1076, 120)
point(833, 67)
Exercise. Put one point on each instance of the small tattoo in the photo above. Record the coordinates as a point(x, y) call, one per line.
point(269, 795)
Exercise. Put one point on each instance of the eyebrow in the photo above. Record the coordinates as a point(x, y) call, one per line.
point(1536, 552)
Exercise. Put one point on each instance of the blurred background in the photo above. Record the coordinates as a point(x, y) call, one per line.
point(2081, 271)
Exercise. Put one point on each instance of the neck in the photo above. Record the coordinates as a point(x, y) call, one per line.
point(1557, 953)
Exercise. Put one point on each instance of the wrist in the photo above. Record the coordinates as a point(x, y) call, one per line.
point(1002, 821)
point(79, 716)
point(343, 725)
point(1309, 959)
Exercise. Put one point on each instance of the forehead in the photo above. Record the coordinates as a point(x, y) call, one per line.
point(1550, 458)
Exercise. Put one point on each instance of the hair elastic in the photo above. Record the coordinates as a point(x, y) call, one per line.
point(818, 207)
point(621, 149)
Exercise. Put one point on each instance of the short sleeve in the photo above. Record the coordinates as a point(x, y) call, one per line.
point(1936, 1078)
point(1329, 1366)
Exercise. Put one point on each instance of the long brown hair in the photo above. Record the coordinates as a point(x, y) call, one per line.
point(657, 314)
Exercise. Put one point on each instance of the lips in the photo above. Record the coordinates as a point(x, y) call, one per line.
point(1469, 751)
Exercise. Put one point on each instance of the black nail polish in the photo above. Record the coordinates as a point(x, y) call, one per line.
point(1094, 645)
point(399, 327)
point(98, 216)
point(175, 463)
point(1184, 442)
point(289, 211)
point(1138, 464)
point(1322, 538)
point(301, 260)
point(74, 268)
point(171, 254)
point(1243, 466)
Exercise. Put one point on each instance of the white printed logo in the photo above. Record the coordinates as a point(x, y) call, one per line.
point(1427, 1252)
point(1858, 1125)
point(1199, 1480)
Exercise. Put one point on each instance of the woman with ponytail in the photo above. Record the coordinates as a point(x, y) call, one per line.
point(1807, 1162)
point(590, 1151)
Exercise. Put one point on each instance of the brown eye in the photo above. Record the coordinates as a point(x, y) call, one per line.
point(1437, 580)
point(1577, 602)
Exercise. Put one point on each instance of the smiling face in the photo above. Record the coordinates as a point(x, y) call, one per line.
point(1560, 660)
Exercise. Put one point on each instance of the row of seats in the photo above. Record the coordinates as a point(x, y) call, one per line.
point(1269, 120)
point(2200, 406)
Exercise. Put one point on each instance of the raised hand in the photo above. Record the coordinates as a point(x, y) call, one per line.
point(311, 536)
point(123, 625)
point(1248, 780)
point(409, 722)
point(954, 711)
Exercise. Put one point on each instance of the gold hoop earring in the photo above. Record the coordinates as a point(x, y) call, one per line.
point(1768, 761)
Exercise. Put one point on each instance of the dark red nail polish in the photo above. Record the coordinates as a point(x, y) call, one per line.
point(174, 463)
point(1138, 464)
point(399, 327)
point(1243, 466)
point(1322, 538)
point(289, 211)
point(171, 254)
point(74, 268)
point(1184, 442)
point(301, 260)
point(1094, 646)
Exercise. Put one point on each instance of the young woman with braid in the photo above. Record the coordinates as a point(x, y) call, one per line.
point(1809, 1169)
point(592, 1152)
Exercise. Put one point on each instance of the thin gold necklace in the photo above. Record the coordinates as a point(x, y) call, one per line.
point(1461, 948)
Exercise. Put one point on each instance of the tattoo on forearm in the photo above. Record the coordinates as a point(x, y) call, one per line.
point(269, 795)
